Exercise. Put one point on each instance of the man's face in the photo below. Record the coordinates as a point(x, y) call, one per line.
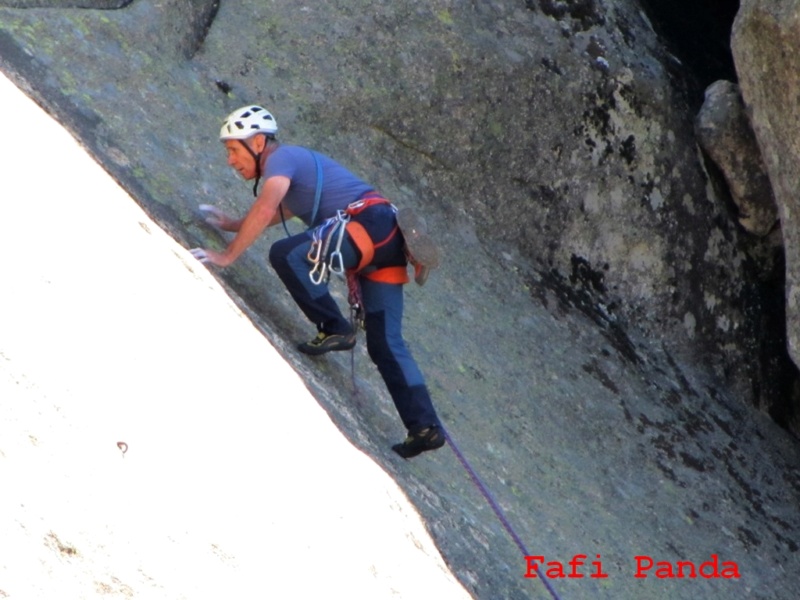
point(240, 158)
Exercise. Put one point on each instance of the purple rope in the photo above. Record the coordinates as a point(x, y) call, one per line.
point(497, 511)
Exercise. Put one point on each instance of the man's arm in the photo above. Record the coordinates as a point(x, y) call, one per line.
point(262, 214)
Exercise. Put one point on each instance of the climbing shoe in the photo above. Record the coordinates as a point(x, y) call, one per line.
point(430, 438)
point(328, 342)
point(422, 251)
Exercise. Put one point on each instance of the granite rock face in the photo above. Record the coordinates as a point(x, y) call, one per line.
point(590, 338)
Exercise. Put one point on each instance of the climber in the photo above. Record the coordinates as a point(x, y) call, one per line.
point(352, 229)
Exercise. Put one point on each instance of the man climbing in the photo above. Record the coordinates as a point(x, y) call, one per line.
point(353, 230)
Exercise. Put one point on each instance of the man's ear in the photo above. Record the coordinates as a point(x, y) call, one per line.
point(258, 143)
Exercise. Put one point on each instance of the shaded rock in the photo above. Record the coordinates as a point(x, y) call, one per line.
point(767, 59)
point(698, 32)
point(724, 132)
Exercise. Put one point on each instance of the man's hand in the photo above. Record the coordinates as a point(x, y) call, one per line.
point(209, 257)
point(216, 218)
point(261, 215)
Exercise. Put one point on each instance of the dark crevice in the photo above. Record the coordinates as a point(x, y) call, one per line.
point(204, 14)
point(698, 33)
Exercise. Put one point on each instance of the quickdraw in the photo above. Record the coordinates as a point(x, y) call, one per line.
point(323, 237)
point(320, 249)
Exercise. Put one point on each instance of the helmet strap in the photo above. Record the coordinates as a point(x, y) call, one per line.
point(257, 159)
point(258, 178)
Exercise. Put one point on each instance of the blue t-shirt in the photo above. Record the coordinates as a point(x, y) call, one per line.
point(339, 186)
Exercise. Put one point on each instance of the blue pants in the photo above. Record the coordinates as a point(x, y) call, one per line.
point(383, 305)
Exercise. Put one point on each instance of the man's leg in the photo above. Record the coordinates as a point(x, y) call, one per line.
point(289, 258)
point(387, 349)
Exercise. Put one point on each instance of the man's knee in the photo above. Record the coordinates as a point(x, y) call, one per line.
point(278, 253)
point(288, 254)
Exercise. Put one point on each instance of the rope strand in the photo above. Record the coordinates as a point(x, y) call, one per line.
point(497, 510)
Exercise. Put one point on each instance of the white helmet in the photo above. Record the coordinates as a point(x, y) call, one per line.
point(247, 121)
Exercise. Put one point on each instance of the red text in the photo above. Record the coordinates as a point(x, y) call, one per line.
point(710, 569)
point(554, 569)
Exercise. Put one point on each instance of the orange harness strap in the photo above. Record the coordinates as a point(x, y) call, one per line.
point(367, 246)
point(363, 242)
point(388, 275)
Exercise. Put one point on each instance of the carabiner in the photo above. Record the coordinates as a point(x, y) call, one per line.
point(315, 251)
point(336, 260)
point(337, 263)
point(322, 268)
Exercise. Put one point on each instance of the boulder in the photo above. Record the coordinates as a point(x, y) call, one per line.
point(724, 132)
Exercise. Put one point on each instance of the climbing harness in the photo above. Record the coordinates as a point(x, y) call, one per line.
point(325, 253)
point(497, 510)
point(325, 261)
point(367, 246)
